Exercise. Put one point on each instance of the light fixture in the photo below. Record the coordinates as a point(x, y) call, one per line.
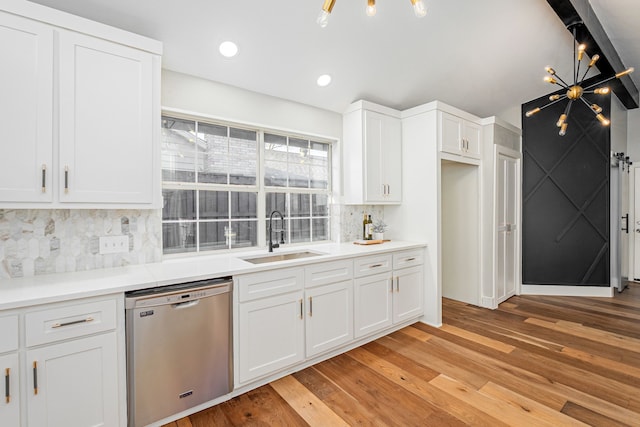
point(371, 8)
point(228, 49)
point(324, 80)
point(323, 19)
point(576, 92)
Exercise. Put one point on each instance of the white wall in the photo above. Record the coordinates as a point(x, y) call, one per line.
point(217, 100)
point(633, 134)
point(619, 126)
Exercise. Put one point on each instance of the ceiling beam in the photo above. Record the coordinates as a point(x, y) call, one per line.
point(597, 41)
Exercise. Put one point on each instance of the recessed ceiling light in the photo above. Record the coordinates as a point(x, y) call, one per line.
point(228, 49)
point(324, 80)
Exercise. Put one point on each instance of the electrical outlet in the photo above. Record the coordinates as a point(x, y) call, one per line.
point(114, 244)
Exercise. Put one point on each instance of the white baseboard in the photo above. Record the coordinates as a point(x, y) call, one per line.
point(571, 291)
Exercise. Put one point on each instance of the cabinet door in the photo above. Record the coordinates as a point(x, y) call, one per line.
point(407, 297)
point(74, 383)
point(26, 108)
point(450, 133)
point(372, 304)
point(329, 317)
point(472, 134)
point(10, 403)
point(383, 173)
point(106, 122)
point(271, 335)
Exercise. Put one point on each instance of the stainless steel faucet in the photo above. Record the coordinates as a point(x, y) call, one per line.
point(272, 245)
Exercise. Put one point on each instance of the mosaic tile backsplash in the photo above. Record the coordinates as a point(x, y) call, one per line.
point(40, 241)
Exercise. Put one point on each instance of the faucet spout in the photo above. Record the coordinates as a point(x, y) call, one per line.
point(272, 245)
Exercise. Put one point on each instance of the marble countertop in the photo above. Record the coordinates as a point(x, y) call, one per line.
point(27, 291)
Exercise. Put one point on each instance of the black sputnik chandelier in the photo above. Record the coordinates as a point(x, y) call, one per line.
point(575, 91)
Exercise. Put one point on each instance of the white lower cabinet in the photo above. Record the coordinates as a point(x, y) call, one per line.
point(271, 334)
point(66, 367)
point(73, 383)
point(373, 304)
point(390, 292)
point(329, 321)
point(10, 404)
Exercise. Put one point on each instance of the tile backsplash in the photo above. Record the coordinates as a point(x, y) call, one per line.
point(41, 241)
point(347, 220)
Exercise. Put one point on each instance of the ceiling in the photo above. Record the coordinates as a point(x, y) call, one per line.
point(484, 57)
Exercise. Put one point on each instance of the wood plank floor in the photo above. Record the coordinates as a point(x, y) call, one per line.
point(536, 361)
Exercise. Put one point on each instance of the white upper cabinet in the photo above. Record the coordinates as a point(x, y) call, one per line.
point(106, 122)
point(81, 113)
point(26, 108)
point(459, 136)
point(372, 151)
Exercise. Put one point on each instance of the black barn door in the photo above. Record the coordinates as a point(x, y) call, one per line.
point(565, 207)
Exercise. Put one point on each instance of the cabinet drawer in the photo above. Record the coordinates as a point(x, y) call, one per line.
point(372, 265)
point(328, 272)
point(269, 283)
point(71, 321)
point(407, 258)
point(9, 333)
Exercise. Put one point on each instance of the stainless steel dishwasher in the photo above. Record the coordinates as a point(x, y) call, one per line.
point(179, 349)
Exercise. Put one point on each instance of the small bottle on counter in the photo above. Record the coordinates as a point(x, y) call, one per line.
point(369, 229)
point(365, 223)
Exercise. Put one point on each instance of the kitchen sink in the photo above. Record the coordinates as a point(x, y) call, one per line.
point(262, 259)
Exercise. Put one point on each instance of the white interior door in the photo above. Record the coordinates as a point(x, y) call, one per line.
point(636, 225)
point(508, 226)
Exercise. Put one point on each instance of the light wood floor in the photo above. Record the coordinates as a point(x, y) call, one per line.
point(550, 361)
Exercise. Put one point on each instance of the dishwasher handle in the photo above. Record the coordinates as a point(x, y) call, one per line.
point(186, 304)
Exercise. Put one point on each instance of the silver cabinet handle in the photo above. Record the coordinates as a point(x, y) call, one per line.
point(44, 178)
point(66, 179)
point(391, 281)
point(74, 322)
point(375, 265)
point(35, 377)
point(301, 310)
point(7, 385)
point(410, 259)
point(397, 284)
point(310, 306)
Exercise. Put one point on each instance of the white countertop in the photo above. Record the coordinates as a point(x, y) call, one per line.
point(27, 291)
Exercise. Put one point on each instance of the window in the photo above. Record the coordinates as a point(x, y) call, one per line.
point(217, 195)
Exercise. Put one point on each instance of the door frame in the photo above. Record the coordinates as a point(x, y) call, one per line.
point(632, 222)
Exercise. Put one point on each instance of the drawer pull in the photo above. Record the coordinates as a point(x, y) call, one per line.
point(375, 265)
point(7, 385)
point(75, 322)
point(310, 306)
point(397, 284)
point(35, 377)
point(66, 179)
point(410, 259)
point(44, 178)
point(301, 310)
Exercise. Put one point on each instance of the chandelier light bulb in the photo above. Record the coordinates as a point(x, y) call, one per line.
point(596, 108)
point(563, 129)
point(602, 91)
point(532, 112)
point(581, 50)
point(561, 120)
point(419, 8)
point(550, 79)
point(550, 71)
point(554, 97)
point(371, 8)
point(594, 59)
point(327, 7)
point(625, 72)
point(603, 120)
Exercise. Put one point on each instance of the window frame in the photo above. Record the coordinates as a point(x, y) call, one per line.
point(259, 188)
